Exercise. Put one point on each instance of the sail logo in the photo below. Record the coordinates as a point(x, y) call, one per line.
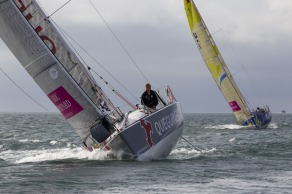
point(65, 103)
point(147, 126)
point(222, 77)
point(197, 40)
point(28, 16)
point(234, 106)
point(53, 73)
point(54, 98)
point(165, 123)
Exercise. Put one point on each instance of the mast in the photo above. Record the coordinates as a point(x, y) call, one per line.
point(45, 55)
point(215, 62)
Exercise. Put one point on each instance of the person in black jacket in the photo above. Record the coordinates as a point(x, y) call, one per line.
point(149, 97)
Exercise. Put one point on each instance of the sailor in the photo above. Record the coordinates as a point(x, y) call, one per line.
point(260, 110)
point(149, 97)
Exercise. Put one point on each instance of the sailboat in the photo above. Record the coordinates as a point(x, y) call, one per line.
point(258, 118)
point(141, 133)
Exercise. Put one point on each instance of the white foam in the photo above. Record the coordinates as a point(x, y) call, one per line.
point(71, 145)
point(53, 142)
point(227, 126)
point(53, 154)
point(29, 140)
point(232, 139)
point(63, 154)
point(273, 126)
point(183, 153)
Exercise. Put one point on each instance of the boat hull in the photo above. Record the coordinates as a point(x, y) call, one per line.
point(259, 120)
point(163, 148)
point(153, 136)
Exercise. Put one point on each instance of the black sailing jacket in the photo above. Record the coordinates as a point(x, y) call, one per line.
point(150, 99)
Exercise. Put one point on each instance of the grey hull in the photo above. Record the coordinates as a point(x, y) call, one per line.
point(153, 136)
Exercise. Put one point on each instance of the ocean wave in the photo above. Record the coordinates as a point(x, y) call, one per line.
point(227, 126)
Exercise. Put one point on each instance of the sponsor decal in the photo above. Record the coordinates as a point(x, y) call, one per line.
point(197, 40)
point(161, 126)
point(147, 126)
point(222, 78)
point(234, 106)
point(66, 104)
point(53, 73)
point(258, 121)
point(165, 123)
point(38, 29)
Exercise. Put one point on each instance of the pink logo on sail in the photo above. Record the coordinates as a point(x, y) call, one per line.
point(234, 106)
point(65, 102)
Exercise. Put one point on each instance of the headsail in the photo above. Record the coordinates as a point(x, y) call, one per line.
point(42, 51)
point(215, 63)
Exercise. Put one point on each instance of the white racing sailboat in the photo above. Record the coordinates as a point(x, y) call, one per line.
point(259, 118)
point(38, 45)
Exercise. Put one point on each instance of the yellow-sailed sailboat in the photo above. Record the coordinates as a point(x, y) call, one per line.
point(259, 118)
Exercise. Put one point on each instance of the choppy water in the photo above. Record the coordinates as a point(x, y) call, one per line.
point(41, 153)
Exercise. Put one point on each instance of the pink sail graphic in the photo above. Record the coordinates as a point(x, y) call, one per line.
point(234, 106)
point(65, 102)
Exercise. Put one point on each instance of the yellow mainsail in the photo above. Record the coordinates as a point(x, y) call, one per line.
point(215, 62)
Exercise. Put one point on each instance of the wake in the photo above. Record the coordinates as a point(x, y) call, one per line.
point(35, 156)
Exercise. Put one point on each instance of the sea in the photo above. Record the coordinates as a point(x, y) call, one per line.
point(41, 153)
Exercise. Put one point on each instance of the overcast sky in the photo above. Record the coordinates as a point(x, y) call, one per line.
point(254, 37)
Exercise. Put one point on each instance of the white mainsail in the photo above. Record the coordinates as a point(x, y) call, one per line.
point(42, 51)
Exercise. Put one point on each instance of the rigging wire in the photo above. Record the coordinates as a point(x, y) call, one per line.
point(256, 90)
point(23, 90)
point(243, 68)
point(89, 68)
point(192, 145)
point(120, 43)
point(114, 90)
point(236, 57)
point(59, 8)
